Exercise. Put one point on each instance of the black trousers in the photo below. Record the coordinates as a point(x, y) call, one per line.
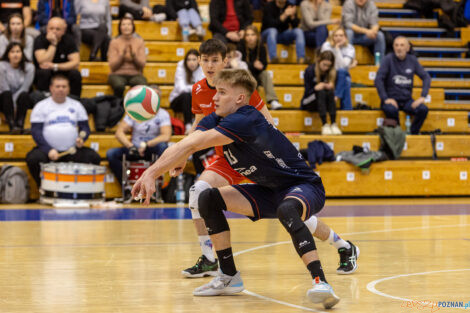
point(98, 39)
point(23, 103)
point(182, 104)
point(326, 103)
point(137, 14)
point(43, 79)
point(37, 156)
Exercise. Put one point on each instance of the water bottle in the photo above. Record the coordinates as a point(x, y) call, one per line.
point(180, 195)
point(408, 124)
point(377, 58)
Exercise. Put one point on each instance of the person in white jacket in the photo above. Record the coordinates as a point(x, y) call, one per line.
point(187, 73)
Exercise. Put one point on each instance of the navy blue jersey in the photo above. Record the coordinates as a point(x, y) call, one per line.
point(260, 152)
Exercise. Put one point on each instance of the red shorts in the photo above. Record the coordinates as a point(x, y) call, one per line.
point(221, 167)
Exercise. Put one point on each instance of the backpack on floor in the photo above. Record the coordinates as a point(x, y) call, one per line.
point(14, 185)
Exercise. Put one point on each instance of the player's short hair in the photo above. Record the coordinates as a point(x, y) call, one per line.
point(237, 78)
point(212, 47)
point(58, 77)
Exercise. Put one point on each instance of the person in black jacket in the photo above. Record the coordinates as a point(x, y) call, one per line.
point(280, 25)
point(187, 13)
point(229, 18)
point(254, 54)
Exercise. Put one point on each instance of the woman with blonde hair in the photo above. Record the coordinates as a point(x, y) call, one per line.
point(254, 54)
point(345, 58)
point(319, 95)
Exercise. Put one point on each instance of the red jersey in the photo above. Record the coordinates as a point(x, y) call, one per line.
point(202, 95)
point(202, 102)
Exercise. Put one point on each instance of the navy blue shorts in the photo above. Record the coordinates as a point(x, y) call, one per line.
point(264, 201)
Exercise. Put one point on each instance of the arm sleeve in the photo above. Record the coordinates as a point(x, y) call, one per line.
point(373, 14)
point(28, 80)
point(109, 19)
point(237, 127)
point(216, 25)
point(180, 79)
point(131, 4)
point(170, 9)
point(208, 122)
point(380, 78)
point(425, 77)
point(247, 14)
point(195, 108)
point(83, 126)
point(309, 81)
point(36, 132)
point(348, 13)
point(3, 82)
point(165, 118)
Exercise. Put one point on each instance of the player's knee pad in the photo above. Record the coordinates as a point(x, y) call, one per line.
point(194, 193)
point(211, 207)
point(289, 213)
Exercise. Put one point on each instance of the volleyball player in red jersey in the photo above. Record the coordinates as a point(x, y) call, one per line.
point(218, 173)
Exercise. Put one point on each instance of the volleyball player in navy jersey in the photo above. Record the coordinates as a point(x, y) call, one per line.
point(285, 187)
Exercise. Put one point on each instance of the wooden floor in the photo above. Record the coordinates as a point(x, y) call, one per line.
point(129, 260)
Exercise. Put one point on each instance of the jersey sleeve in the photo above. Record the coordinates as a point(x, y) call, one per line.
point(165, 119)
point(237, 126)
point(195, 108)
point(208, 122)
point(256, 101)
point(129, 121)
point(81, 112)
point(37, 115)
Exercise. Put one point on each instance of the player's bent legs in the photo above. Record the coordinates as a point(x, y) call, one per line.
point(290, 213)
point(212, 203)
point(206, 264)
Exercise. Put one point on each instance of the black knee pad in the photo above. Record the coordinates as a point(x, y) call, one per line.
point(289, 213)
point(211, 207)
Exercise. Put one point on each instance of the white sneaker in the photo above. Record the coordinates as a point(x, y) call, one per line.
point(158, 18)
point(322, 293)
point(326, 130)
point(275, 105)
point(221, 285)
point(335, 129)
point(200, 32)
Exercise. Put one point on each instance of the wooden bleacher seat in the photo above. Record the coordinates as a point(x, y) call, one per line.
point(366, 121)
point(418, 146)
point(395, 178)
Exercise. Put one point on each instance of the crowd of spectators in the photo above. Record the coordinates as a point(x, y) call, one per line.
point(34, 51)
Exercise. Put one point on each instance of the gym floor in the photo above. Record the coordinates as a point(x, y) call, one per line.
point(414, 253)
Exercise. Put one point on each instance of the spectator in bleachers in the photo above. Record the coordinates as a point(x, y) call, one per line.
point(56, 52)
point(187, 13)
point(361, 21)
point(21, 7)
point(187, 73)
point(345, 58)
point(394, 82)
point(319, 95)
point(140, 10)
point(17, 75)
point(126, 58)
point(149, 138)
point(316, 14)
point(229, 18)
point(15, 32)
point(280, 25)
point(254, 54)
point(55, 124)
point(65, 9)
point(95, 26)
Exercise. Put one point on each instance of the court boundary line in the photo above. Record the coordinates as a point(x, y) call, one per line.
point(251, 293)
point(372, 284)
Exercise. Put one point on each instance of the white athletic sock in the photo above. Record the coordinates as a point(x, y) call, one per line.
point(311, 224)
point(336, 241)
point(206, 247)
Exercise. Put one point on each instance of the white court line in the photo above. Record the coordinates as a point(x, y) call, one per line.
point(372, 284)
point(345, 234)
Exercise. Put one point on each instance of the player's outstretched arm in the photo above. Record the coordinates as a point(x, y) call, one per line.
point(174, 156)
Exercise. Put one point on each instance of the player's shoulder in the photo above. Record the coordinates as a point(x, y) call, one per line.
point(199, 86)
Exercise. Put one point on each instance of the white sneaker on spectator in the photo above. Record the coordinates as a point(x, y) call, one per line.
point(200, 32)
point(335, 129)
point(158, 18)
point(326, 129)
point(275, 105)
